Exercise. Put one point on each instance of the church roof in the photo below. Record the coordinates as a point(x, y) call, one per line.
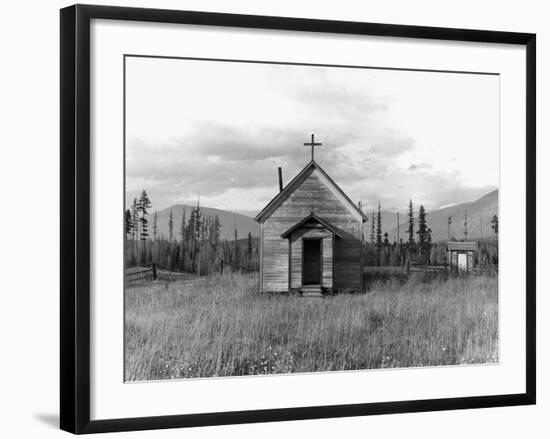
point(312, 217)
point(295, 184)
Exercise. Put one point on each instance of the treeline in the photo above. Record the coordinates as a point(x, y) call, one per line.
point(418, 248)
point(401, 254)
point(193, 244)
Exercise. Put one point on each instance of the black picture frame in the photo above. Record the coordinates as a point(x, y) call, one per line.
point(75, 217)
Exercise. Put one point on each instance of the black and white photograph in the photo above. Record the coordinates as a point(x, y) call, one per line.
point(275, 219)
point(288, 218)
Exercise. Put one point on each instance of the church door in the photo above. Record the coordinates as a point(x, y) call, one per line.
point(311, 263)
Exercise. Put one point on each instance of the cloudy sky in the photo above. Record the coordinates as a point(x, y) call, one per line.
point(221, 129)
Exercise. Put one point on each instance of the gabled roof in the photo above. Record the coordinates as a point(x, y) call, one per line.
point(295, 184)
point(315, 218)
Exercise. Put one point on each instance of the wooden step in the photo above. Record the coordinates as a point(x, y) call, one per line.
point(311, 291)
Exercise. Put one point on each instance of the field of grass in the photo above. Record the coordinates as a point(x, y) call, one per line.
point(220, 326)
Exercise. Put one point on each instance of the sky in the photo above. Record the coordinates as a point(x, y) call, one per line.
point(219, 130)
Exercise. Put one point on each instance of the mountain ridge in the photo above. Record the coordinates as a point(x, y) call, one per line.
point(480, 213)
point(229, 221)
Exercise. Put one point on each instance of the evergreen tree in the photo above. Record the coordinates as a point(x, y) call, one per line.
point(216, 230)
point(170, 226)
point(378, 229)
point(372, 229)
point(249, 250)
point(143, 204)
point(411, 223)
point(494, 224)
point(235, 245)
point(198, 229)
point(422, 226)
point(144, 229)
point(128, 224)
point(182, 227)
point(424, 234)
point(195, 223)
point(155, 225)
point(135, 219)
point(135, 229)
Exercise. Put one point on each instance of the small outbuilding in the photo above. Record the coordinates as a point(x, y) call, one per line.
point(461, 255)
point(311, 237)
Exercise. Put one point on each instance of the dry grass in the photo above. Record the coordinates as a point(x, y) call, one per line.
point(220, 327)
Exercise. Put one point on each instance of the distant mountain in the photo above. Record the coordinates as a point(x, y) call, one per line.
point(229, 221)
point(480, 213)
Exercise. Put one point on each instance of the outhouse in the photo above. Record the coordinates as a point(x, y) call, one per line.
point(461, 255)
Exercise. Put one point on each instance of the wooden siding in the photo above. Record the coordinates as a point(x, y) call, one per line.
point(312, 194)
point(452, 257)
point(327, 280)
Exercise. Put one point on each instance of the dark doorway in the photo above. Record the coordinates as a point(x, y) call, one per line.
point(311, 267)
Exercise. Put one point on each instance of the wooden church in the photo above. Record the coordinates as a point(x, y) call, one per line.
point(311, 236)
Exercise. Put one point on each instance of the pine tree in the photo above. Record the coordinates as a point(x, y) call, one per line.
point(155, 225)
point(182, 249)
point(372, 229)
point(196, 236)
point(249, 250)
point(494, 224)
point(198, 230)
point(182, 227)
point(170, 226)
point(143, 204)
point(216, 230)
point(135, 219)
point(378, 229)
point(135, 229)
point(235, 245)
point(128, 225)
point(429, 244)
point(411, 223)
point(422, 232)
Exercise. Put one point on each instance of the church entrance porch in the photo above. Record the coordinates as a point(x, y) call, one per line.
point(311, 256)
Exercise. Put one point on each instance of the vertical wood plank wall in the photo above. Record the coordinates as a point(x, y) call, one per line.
point(327, 280)
point(314, 195)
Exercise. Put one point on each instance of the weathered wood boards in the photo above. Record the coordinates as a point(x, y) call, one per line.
point(137, 274)
point(311, 207)
point(461, 255)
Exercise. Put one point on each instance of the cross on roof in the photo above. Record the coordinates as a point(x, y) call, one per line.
point(313, 145)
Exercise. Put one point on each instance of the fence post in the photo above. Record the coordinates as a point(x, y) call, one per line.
point(154, 268)
point(221, 267)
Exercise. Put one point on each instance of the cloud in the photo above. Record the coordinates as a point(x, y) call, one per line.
point(337, 100)
point(419, 166)
point(429, 187)
point(221, 130)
